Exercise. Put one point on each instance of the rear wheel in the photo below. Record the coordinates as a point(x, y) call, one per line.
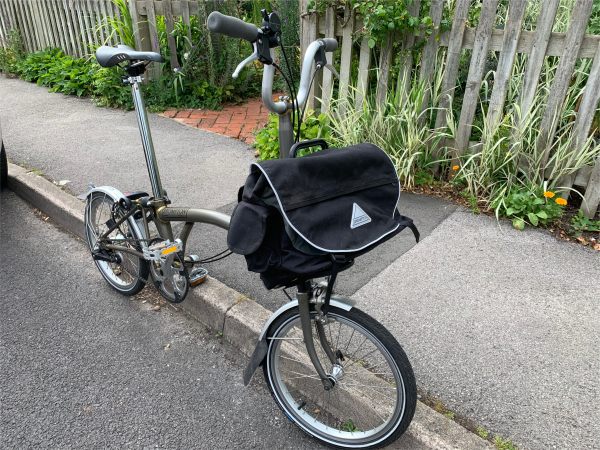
point(125, 272)
point(374, 395)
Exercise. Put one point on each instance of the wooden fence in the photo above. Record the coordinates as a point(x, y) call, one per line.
point(72, 25)
point(485, 38)
point(75, 25)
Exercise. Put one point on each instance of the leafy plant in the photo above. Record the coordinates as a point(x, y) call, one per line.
point(424, 178)
point(580, 223)
point(482, 432)
point(267, 140)
point(531, 205)
point(108, 88)
point(472, 200)
point(349, 426)
point(120, 25)
point(503, 444)
point(382, 17)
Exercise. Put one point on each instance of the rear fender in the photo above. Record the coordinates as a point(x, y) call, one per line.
point(116, 195)
point(262, 346)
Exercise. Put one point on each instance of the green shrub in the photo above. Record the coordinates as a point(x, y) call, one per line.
point(398, 126)
point(84, 77)
point(59, 72)
point(267, 139)
point(12, 53)
point(36, 64)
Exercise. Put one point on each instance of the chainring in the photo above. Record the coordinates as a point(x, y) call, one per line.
point(170, 277)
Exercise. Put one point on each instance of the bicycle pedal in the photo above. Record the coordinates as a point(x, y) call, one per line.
point(198, 276)
point(191, 259)
point(162, 249)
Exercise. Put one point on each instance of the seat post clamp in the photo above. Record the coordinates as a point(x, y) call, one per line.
point(133, 80)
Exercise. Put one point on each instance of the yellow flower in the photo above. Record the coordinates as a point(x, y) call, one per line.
point(549, 194)
point(561, 201)
point(455, 168)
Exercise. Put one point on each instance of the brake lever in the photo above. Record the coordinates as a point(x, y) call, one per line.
point(332, 70)
point(244, 63)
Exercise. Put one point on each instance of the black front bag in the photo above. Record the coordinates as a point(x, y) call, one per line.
point(303, 218)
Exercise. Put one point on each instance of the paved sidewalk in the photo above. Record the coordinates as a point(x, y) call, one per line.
point(502, 326)
point(74, 140)
point(235, 121)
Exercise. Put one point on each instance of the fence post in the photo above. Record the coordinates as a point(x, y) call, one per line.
point(428, 59)
point(475, 76)
point(327, 86)
point(346, 57)
point(141, 33)
point(581, 14)
point(536, 58)
point(309, 34)
point(406, 62)
point(452, 61)
point(385, 62)
point(512, 32)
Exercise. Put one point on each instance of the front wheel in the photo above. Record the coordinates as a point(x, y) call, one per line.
point(125, 272)
point(374, 395)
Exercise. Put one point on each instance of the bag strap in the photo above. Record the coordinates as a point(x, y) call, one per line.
point(408, 223)
point(414, 229)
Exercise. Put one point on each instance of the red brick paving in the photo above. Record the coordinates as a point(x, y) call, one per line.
point(236, 121)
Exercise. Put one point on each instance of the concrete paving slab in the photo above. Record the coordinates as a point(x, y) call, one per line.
point(502, 325)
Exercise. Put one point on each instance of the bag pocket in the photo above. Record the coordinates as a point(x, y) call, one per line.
point(247, 228)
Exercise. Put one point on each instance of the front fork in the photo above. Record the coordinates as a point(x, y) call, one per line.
point(304, 298)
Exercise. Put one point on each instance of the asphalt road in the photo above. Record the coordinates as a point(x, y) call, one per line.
point(82, 366)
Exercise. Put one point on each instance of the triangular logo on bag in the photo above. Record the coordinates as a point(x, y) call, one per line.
point(359, 217)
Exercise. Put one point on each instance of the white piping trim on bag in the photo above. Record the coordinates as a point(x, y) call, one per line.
point(314, 245)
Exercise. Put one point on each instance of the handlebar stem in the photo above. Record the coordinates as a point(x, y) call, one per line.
point(267, 90)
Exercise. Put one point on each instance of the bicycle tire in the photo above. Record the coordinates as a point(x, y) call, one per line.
point(335, 417)
point(129, 276)
point(3, 167)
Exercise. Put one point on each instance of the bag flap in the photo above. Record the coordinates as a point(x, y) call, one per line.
point(247, 228)
point(327, 174)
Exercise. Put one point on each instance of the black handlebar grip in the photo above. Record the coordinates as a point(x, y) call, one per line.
point(231, 26)
point(330, 44)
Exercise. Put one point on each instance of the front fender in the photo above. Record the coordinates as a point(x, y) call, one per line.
point(262, 346)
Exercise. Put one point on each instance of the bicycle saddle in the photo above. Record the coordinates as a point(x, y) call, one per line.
point(111, 56)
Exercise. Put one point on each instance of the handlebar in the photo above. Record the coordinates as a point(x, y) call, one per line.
point(231, 26)
point(330, 44)
point(236, 28)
